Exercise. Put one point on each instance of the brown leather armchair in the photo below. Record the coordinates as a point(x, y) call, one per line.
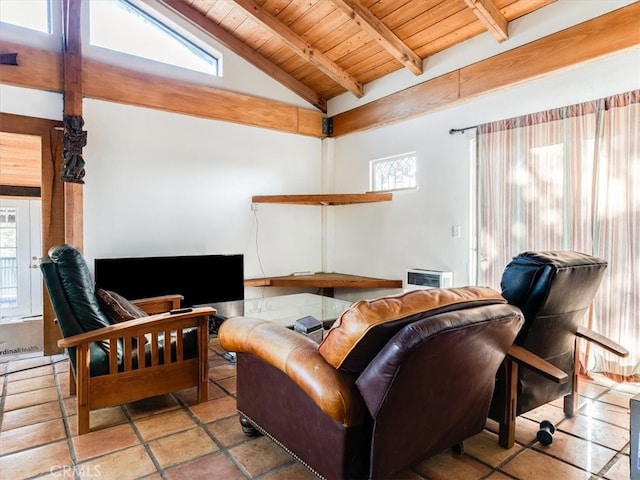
point(554, 290)
point(395, 380)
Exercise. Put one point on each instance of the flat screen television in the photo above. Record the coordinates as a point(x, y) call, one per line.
point(201, 279)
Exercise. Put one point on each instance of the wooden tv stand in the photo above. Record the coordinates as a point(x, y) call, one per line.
point(326, 281)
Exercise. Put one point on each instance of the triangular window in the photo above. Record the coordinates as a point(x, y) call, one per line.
point(34, 15)
point(124, 27)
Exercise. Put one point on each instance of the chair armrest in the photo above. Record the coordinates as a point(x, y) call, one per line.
point(602, 341)
point(139, 326)
point(158, 304)
point(297, 356)
point(539, 365)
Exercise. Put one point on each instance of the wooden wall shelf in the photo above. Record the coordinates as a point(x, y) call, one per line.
point(324, 199)
point(326, 281)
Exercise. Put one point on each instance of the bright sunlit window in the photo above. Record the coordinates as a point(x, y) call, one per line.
point(31, 14)
point(393, 173)
point(121, 26)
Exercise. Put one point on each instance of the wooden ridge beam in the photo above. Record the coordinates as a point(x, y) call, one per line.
point(37, 68)
point(42, 70)
point(237, 46)
point(300, 47)
point(493, 20)
point(381, 34)
point(601, 36)
point(108, 82)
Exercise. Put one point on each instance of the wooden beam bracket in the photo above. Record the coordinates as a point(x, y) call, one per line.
point(327, 125)
point(9, 59)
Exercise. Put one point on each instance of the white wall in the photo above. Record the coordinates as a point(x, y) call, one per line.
point(159, 183)
point(31, 103)
point(414, 230)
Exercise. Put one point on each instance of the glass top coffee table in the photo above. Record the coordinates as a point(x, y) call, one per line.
point(284, 309)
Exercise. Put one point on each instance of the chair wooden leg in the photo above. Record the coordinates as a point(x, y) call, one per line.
point(83, 418)
point(203, 363)
point(507, 426)
point(72, 382)
point(82, 365)
point(571, 400)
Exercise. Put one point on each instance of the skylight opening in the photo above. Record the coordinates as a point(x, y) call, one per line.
point(34, 14)
point(123, 27)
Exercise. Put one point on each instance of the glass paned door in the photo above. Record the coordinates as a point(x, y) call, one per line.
point(20, 247)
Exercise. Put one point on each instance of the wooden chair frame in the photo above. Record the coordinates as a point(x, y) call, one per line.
point(519, 356)
point(162, 375)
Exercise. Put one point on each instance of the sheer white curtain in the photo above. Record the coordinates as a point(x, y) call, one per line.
point(569, 179)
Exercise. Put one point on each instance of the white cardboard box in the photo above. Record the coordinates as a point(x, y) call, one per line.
point(20, 337)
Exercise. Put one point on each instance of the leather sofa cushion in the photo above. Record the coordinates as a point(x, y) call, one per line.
point(365, 327)
point(117, 308)
point(78, 287)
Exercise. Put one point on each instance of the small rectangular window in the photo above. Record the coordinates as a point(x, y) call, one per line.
point(393, 173)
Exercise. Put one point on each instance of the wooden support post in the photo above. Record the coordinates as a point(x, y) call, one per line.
point(72, 73)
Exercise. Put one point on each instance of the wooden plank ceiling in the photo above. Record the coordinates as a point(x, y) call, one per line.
point(20, 160)
point(323, 48)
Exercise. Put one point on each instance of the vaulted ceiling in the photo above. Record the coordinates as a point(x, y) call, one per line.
point(322, 48)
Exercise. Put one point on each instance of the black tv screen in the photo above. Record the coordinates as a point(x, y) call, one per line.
point(201, 279)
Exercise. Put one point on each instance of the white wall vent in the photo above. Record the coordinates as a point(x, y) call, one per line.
point(417, 278)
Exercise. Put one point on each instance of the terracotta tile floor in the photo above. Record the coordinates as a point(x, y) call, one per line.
point(172, 437)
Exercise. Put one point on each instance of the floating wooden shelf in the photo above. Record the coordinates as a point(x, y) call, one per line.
point(326, 281)
point(324, 198)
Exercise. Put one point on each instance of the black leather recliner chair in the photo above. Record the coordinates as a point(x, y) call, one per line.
point(554, 290)
point(115, 363)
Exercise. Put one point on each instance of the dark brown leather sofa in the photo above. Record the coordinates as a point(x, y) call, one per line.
point(395, 380)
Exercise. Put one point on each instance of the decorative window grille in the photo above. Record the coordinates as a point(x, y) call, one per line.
point(393, 173)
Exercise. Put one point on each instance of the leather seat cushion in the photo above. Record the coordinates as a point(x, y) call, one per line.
point(365, 327)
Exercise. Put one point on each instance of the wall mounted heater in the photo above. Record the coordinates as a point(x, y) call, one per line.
point(416, 278)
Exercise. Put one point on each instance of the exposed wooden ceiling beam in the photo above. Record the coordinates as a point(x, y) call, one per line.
point(42, 70)
point(238, 47)
point(613, 32)
point(381, 33)
point(491, 17)
point(300, 47)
